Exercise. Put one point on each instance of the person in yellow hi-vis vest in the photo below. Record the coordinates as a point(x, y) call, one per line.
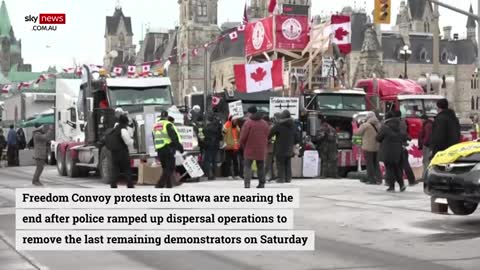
point(167, 141)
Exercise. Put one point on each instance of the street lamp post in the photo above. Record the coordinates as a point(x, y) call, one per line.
point(405, 52)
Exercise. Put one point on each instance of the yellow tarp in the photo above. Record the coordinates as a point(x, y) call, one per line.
point(455, 152)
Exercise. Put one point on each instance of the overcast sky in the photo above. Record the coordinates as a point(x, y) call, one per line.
point(82, 38)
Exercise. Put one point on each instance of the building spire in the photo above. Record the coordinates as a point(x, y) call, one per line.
point(118, 5)
point(5, 25)
point(470, 20)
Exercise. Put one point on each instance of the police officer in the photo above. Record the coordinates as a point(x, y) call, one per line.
point(326, 140)
point(167, 142)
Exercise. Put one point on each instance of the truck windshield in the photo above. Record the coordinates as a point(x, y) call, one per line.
point(341, 102)
point(417, 107)
point(140, 96)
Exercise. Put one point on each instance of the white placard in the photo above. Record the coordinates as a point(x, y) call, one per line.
point(187, 137)
point(192, 167)
point(327, 70)
point(236, 109)
point(311, 163)
point(280, 104)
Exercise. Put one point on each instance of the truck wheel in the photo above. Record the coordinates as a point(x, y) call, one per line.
point(51, 158)
point(71, 165)
point(462, 208)
point(105, 166)
point(61, 163)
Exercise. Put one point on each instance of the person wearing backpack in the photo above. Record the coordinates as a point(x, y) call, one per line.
point(368, 131)
point(118, 141)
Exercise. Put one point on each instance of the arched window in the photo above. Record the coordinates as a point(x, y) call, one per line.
point(473, 104)
point(444, 56)
point(424, 55)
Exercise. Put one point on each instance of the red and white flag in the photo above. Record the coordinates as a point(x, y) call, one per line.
point(184, 54)
point(6, 88)
point(272, 6)
point(145, 70)
point(215, 101)
point(131, 70)
point(341, 28)
point(241, 28)
point(195, 52)
point(78, 71)
point(24, 85)
point(42, 78)
point(245, 15)
point(69, 70)
point(118, 71)
point(233, 36)
point(251, 78)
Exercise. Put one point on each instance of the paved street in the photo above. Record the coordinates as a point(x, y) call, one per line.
point(357, 227)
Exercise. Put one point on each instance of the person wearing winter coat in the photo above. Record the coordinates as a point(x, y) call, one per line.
point(213, 137)
point(370, 147)
point(41, 136)
point(424, 141)
point(326, 141)
point(391, 141)
point(3, 143)
point(254, 141)
point(285, 133)
point(231, 135)
point(405, 163)
point(446, 128)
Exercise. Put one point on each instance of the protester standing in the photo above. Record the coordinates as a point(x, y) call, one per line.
point(445, 129)
point(12, 147)
point(285, 133)
point(405, 162)
point(3, 143)
point(326, 141)
point(167, 142)
point(424, 141)
point(391, 140)
point(213, 137)
point(368, 131)
point(231, 134)
point(41, 136)
point(120, 141)
point(254, 140)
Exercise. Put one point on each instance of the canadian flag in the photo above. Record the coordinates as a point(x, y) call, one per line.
point(69, 70)
point(42, 78)
point(6, 88)
point(24, 84)
point(215, 101)
point(131, 70)
point(78, 71)
point(272, 6)
point(341, 28)
point(233, 36)
point(195, 52)
point(251, 78)
point(118, 71)
point(145, 70)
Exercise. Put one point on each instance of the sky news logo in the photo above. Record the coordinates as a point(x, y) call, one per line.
point(46, 21)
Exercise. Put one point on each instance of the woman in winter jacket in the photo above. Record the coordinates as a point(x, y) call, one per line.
point(370, 147)
point(391, 141)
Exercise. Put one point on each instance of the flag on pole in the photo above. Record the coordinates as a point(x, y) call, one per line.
point(24, 85)
point(78, 71)
point(241, 28)
point(42, 78)
point(341, 30)
point(272, 6)
point(245, 15)
point(131, 70)
point(6, 88)
point(251, 78)
point(118, 71)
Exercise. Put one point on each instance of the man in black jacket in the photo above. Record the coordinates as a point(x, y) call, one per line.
point(285, 138)
point(213, 136)
point(446, 128)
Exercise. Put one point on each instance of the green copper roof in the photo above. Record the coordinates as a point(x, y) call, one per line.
point(23, 76)
point(5, 25)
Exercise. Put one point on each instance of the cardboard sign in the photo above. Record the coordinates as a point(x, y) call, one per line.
point(192, 167)
point(311, 163)
point(187, 137)
point(280, 104)
point(236, 109)
point(327, 67)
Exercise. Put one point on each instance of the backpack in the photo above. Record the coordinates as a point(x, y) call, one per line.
point(113, 139)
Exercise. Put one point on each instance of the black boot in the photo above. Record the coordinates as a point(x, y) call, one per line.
point(247, 184)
